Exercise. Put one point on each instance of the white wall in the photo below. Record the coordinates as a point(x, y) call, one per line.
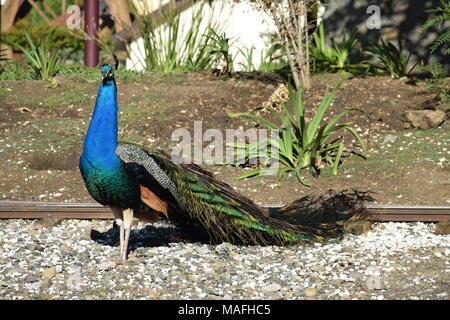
point(241, 23)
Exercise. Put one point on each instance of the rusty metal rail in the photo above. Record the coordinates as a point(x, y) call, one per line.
point(64, 210)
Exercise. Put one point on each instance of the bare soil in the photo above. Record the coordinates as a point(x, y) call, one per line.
point(42, 131)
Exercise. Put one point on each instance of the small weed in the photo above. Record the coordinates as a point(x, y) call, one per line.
point(439, 84)
point(15, 71)
point(41, 59)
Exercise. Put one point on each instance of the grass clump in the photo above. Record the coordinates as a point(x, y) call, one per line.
point(299, 145)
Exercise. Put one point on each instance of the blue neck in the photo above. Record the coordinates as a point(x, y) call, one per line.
point(101, 139)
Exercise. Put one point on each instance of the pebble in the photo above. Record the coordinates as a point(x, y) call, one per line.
point(273, 287)
point(46, 283)
point(309, 292)
point(49, 273)
point(106, 265)
point(318, 268)
point(391, 261)
point(390, 138)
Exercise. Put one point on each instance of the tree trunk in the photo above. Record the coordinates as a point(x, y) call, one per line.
point(9, 12)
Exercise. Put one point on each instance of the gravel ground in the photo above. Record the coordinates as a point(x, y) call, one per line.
point(76, 259)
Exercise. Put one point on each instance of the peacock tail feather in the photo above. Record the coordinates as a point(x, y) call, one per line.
point(225, 214)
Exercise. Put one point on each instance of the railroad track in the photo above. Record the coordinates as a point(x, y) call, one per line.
point(63, 210)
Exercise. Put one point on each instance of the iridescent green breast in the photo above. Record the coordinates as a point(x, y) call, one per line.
point(111, 186)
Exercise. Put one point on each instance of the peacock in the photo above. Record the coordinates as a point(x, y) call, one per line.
point(135, 181)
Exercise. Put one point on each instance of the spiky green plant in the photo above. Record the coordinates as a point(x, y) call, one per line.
point(274, 60)
point(41, 59)
point(390, 59)
point(439, 83)
point(248, 55)
point(168, 46)
point(220, 50)
point(300, 145)
point(333, 58)
point(442, 16)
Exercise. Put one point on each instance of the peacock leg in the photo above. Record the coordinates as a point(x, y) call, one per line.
point(118, 214)
point(127, 219)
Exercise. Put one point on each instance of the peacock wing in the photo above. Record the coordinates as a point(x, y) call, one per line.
point(226, 215)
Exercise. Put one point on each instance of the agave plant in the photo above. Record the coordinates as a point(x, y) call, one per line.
point(333, 58)
point(269, 61)
point(390, 59)
point(300, 145)
point(220, 50)
point(341, 53)
point(40, 58)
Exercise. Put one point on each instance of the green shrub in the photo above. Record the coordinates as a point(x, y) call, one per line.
point(272, 60)
point(390, 59)
point(300, 145)
point(442, 16)
point(166, 50)
point(439, 83)
point(219, 49)
point(14, 71)
point(41, 59)
point(80, 71)
point(71, 40)
point(335, 58)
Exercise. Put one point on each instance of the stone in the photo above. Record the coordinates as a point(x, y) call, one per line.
point(106, 265)
point(45, 223)
point(184, 251)
point(203, 250)
point(151, 294)
point(318, 268)
point(358, 227)
point(273, 287)
point(31, 278)
point(310, 292)
point(224, 248)
point(390, 138)
point(355, 275)
point(46, 283)
point(423, 119)
point(49, 273)
point(19, 256)
point(140, 252)
point(348, 249)
point(442, 227)
point(14, 271)
point(33, 232)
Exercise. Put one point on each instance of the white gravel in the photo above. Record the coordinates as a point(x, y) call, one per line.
point(61, 261)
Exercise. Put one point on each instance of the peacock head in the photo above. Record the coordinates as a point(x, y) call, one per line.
point(107, 72)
